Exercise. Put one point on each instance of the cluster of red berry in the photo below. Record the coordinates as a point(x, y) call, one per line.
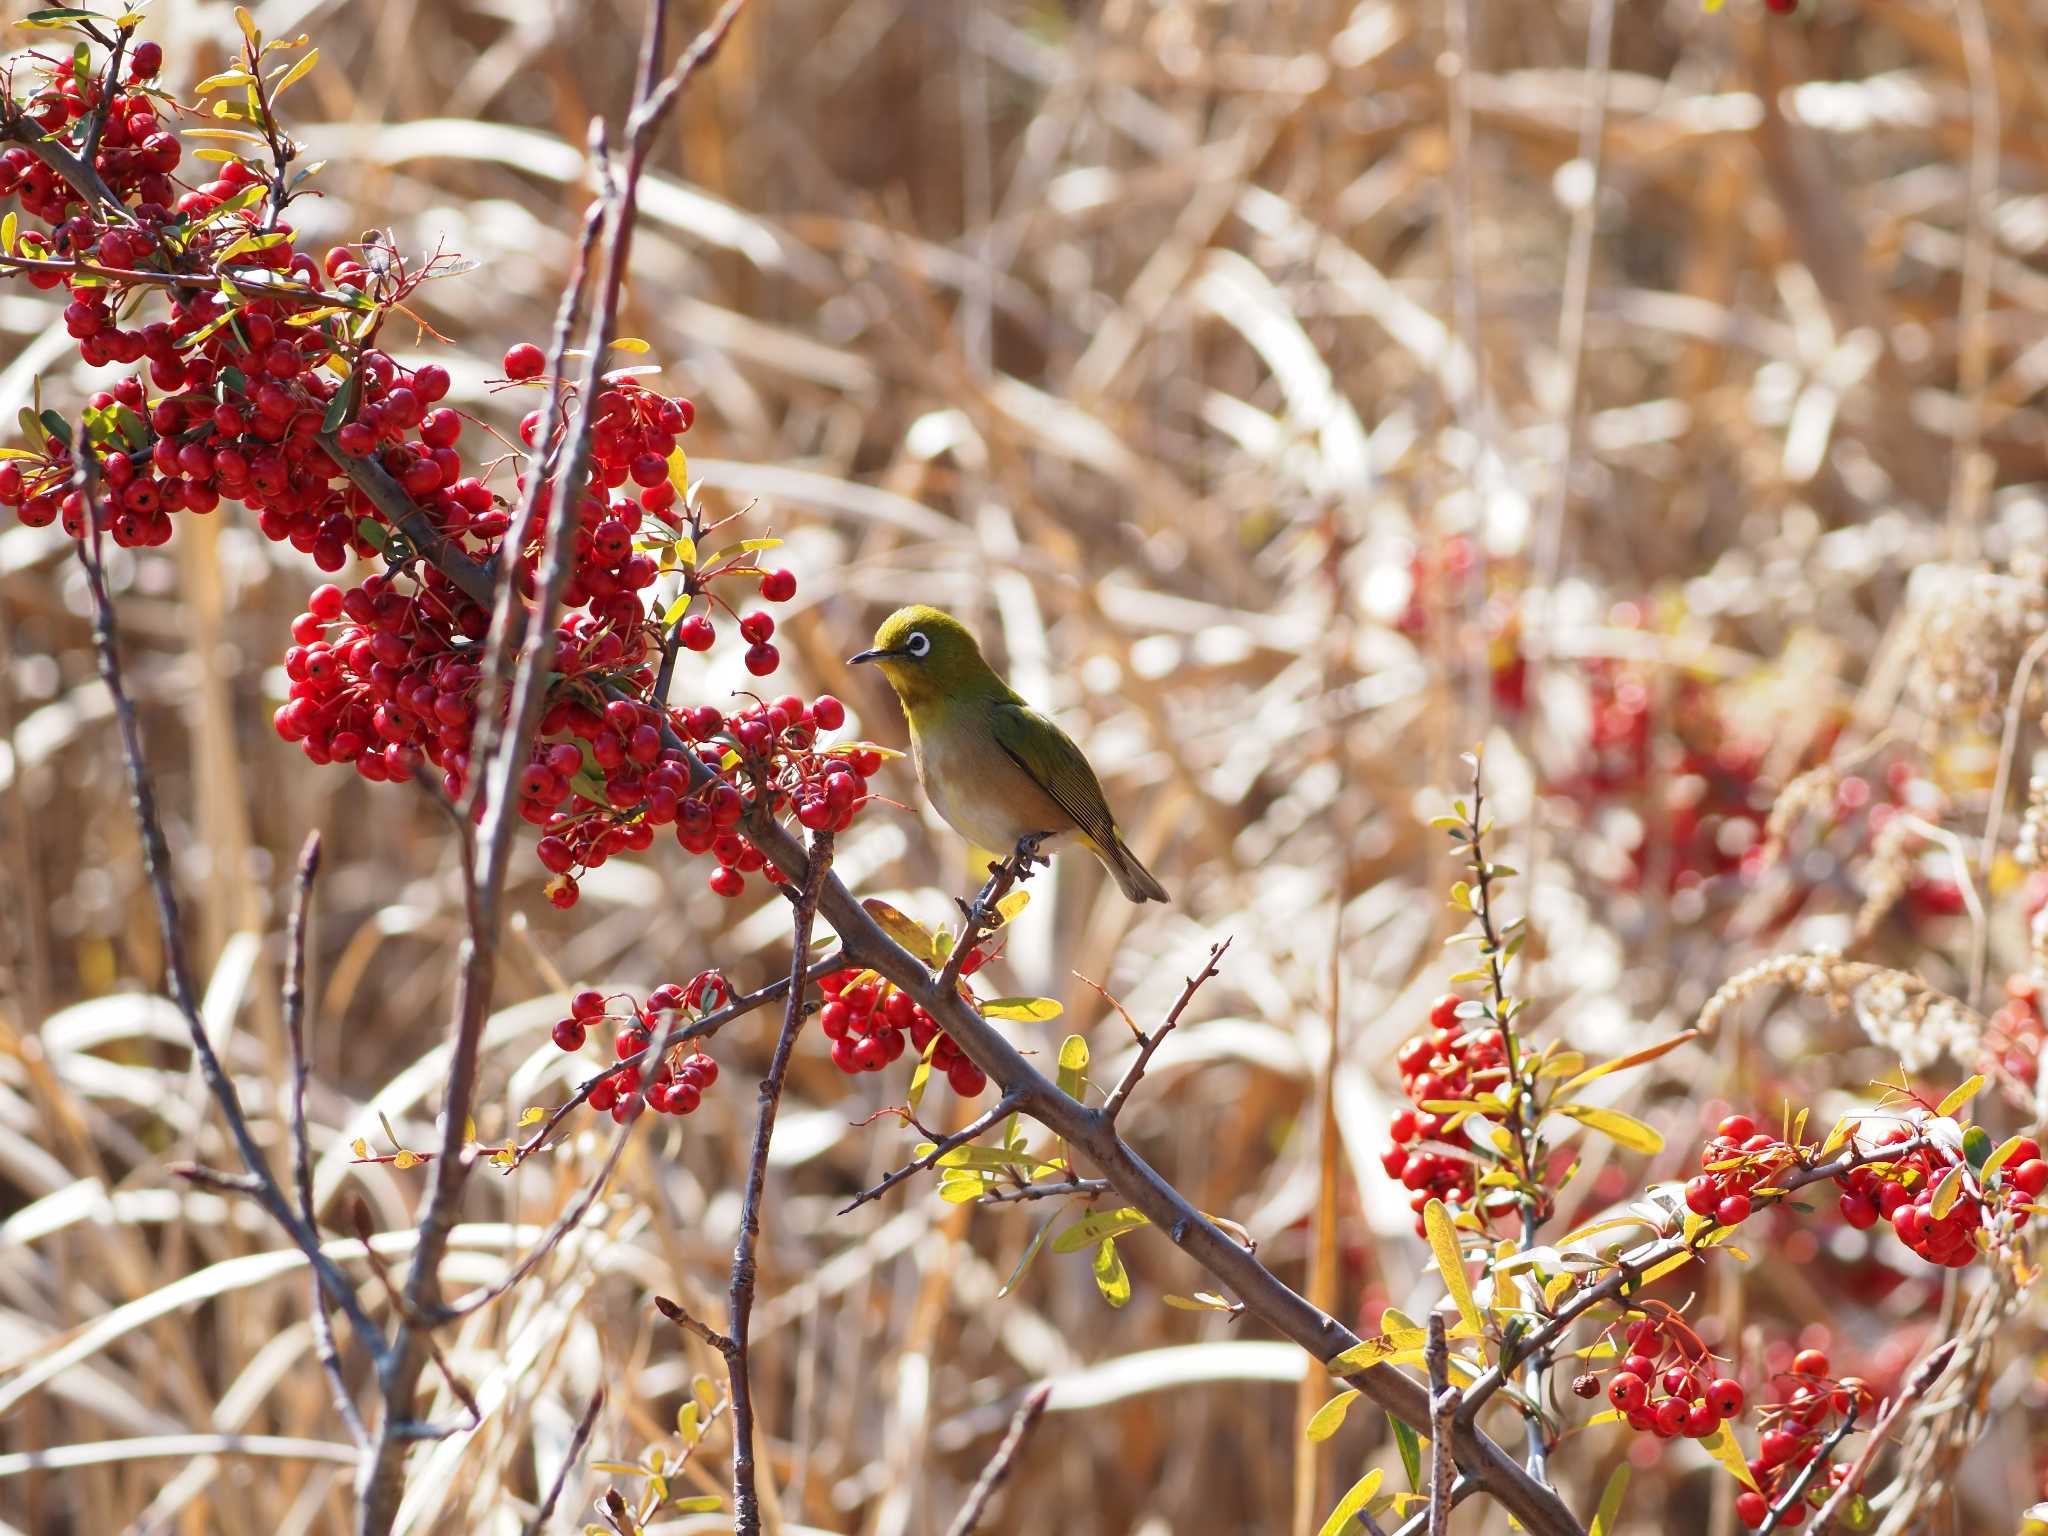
point(2013, 1037)
point(1734, 1162)
point(867, 1020)
point(1793, 1432)
point(261, 393)
point(1446, 1062)
point(679, 1081)
point(1903, 1192)
point(135, 158)
point(1666, 1357)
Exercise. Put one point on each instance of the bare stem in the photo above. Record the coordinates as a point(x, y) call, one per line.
point(745, 1498)
point(1025, 1420)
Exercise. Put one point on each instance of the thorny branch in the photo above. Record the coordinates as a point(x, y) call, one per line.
point(1027, 1416)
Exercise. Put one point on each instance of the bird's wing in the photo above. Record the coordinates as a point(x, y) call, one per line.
point(1045, 752)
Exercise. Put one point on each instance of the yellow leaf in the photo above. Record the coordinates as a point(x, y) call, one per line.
point(1102, 1226)
point(1609, 1512)
point(1443, 1242)
point(2000, 1157)
point(1022, 1010)
point(1632, 1059)
point(468, 1129)
point(295, 74)
point(1613, 1124)
point(1722, 1447)
point(1659, 1271)
point(1330, 1417)
point(1944, 1197)
point(1012, 904)
point(1110, 1278)
point(407, 1160)
point(1960, 1095)
point(532, 1115)
point(247, 24)
point(631, 344)
point(360, 1147)
point(1073, 1065)
point(1352, 1503)
point(905, 930)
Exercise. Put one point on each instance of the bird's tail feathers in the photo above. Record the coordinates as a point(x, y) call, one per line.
point(1132, 878)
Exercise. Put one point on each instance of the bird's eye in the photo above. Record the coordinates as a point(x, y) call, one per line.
point(918, 644)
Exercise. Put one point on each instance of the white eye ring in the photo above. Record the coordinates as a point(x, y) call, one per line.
point(918, 645)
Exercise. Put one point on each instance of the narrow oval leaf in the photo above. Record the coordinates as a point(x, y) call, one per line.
point(905, 930)
point(1110, 1278)
point(1632, 1059)
point(1329, 1418)
point(1443, 1242)
point(1617, 1127)
point(1944, 1197)
point(1073, 1065)
point(1352, 1503)
point(1023, 1010)
point(1999, 1158)
point(1605, 1518)
point(1103, 1226)
point(1721, 1445)
point(1960, 1095)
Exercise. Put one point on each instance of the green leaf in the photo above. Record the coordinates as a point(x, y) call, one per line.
point(56, 426)
point(1030, 1252)
point(1409, 1444)
point(1613, 1124)
point(1110, 1278)
point(1609, 1512)
point(1329, 1418)
point(1073, 1065)
point(1960, 1095)
point(338, 408)
point(1443, 1242)
point(1102, 1226)
point(57, 16)
point(1351, 1504)
point(1024, 1010)
point(1977, 1146)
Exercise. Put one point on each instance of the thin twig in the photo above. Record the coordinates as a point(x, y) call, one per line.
point(156, 861)
point(1147, 1044)
point(979, 1126)
point(1929, 1372)
point(677, 1314)
point(577, 1442)
point(1085, 1189)
point(293, 1008)
point(1029, 1412)
point(1774, 1516)
point(402, 1304)
point(745, 1497)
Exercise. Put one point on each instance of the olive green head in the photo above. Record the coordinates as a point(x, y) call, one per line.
point(928, 654)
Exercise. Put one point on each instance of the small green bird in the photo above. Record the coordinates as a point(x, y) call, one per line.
point(995, 768)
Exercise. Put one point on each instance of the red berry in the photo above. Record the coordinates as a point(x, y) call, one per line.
point(1751, 1507)
point(144, 60)
point(568, 1034)
point(2031, 1177)
point(1736, 1128)
point(757, 627)
point(828, 712)
point(778, 586)
point(727, 881)
point(587, 1004)
point(524, 361)
point(1701, 1420)
point(1626, 1391)
point(1733, 1211)
point(1726, 1396)
point(762, 659)
point(1810, 1362)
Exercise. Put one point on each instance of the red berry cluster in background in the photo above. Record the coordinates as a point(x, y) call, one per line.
point(1734, 1162)
point(868, 1022)
point(1793, 1432)
point(255, 382)
point(679, 1081)
point(1905, 1191)
point(2013, 1038)
point(1667, 1384)
point(1434, 1161)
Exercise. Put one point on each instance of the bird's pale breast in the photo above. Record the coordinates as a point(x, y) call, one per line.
point(980, 791)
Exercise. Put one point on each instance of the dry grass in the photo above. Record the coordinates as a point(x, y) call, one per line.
point(1151, 341)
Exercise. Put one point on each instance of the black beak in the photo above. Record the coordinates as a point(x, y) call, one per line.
point(876, 655)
